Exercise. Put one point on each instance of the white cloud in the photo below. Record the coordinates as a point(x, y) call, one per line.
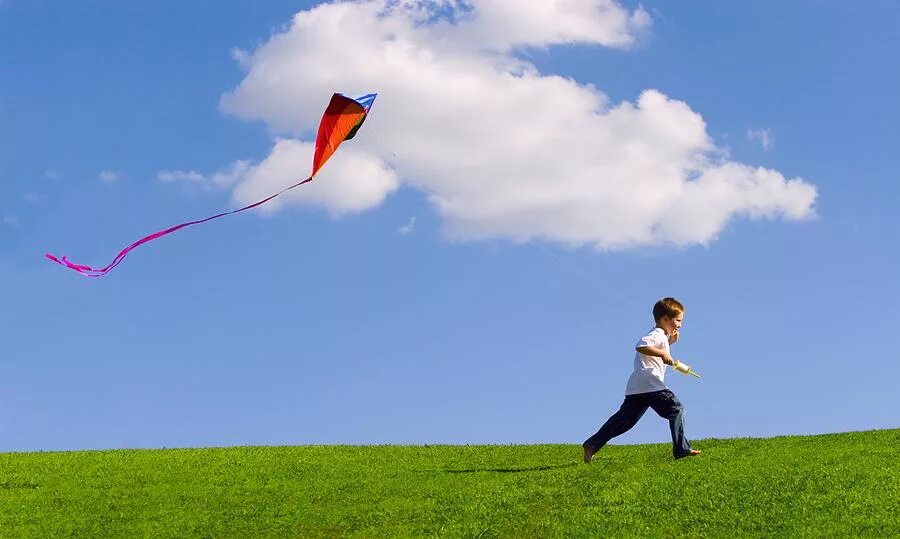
point(242, 57)
point(109, 176)
point(500, 149)
point(503, 24)
point(32, 198)
point(355, 182)
point(52, 174)
point(189, 176)
point(235, 173)
point(10, 220)
point(763, 136)
point(408, 227)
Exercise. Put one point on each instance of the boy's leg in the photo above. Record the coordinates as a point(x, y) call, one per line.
point(633, 407)
point(667, 405)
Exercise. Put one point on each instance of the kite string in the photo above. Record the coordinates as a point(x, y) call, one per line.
point(590, 278)
point(88, 271)
point(381, 145)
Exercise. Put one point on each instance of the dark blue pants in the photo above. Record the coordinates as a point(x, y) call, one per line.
point(664, 403)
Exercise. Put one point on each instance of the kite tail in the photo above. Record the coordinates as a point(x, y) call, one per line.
point(88, 271)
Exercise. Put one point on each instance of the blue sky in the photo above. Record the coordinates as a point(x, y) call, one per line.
point(463, 271)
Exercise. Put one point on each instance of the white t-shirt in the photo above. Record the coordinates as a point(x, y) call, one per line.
point(649, 371)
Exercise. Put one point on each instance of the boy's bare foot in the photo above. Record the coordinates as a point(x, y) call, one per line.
point(691, 453)
point(588, 455)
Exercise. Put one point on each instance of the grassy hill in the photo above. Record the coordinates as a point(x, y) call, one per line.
point(833, 485)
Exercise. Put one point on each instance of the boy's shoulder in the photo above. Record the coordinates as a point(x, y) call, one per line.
point(655, 330)
point(655, 334)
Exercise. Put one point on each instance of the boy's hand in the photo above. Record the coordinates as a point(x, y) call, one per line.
point(673, 338)
point(667, 359)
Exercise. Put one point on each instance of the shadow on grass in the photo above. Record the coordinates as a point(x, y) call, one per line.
point(19, 485)
point(513, 470)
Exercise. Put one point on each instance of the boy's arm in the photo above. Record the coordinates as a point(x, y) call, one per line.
point(658, 352)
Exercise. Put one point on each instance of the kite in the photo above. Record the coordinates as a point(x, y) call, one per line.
point(341, 120)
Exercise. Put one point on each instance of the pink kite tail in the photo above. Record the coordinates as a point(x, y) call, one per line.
point(88, 271)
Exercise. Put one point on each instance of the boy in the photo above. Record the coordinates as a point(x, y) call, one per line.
point(645, 388)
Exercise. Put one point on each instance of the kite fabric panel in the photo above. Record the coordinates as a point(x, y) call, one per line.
point(341, 120)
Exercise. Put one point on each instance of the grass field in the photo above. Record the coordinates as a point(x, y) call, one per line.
point(830, 485)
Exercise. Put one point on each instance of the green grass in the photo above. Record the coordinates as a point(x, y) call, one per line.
point(830, 485)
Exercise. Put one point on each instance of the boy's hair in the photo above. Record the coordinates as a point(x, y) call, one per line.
point(670, 307)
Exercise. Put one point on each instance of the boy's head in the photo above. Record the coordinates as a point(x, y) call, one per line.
point(668, 313)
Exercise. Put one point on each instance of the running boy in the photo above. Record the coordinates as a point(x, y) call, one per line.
point(645, 388)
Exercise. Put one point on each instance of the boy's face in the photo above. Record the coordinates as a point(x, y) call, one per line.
point(670, 325)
